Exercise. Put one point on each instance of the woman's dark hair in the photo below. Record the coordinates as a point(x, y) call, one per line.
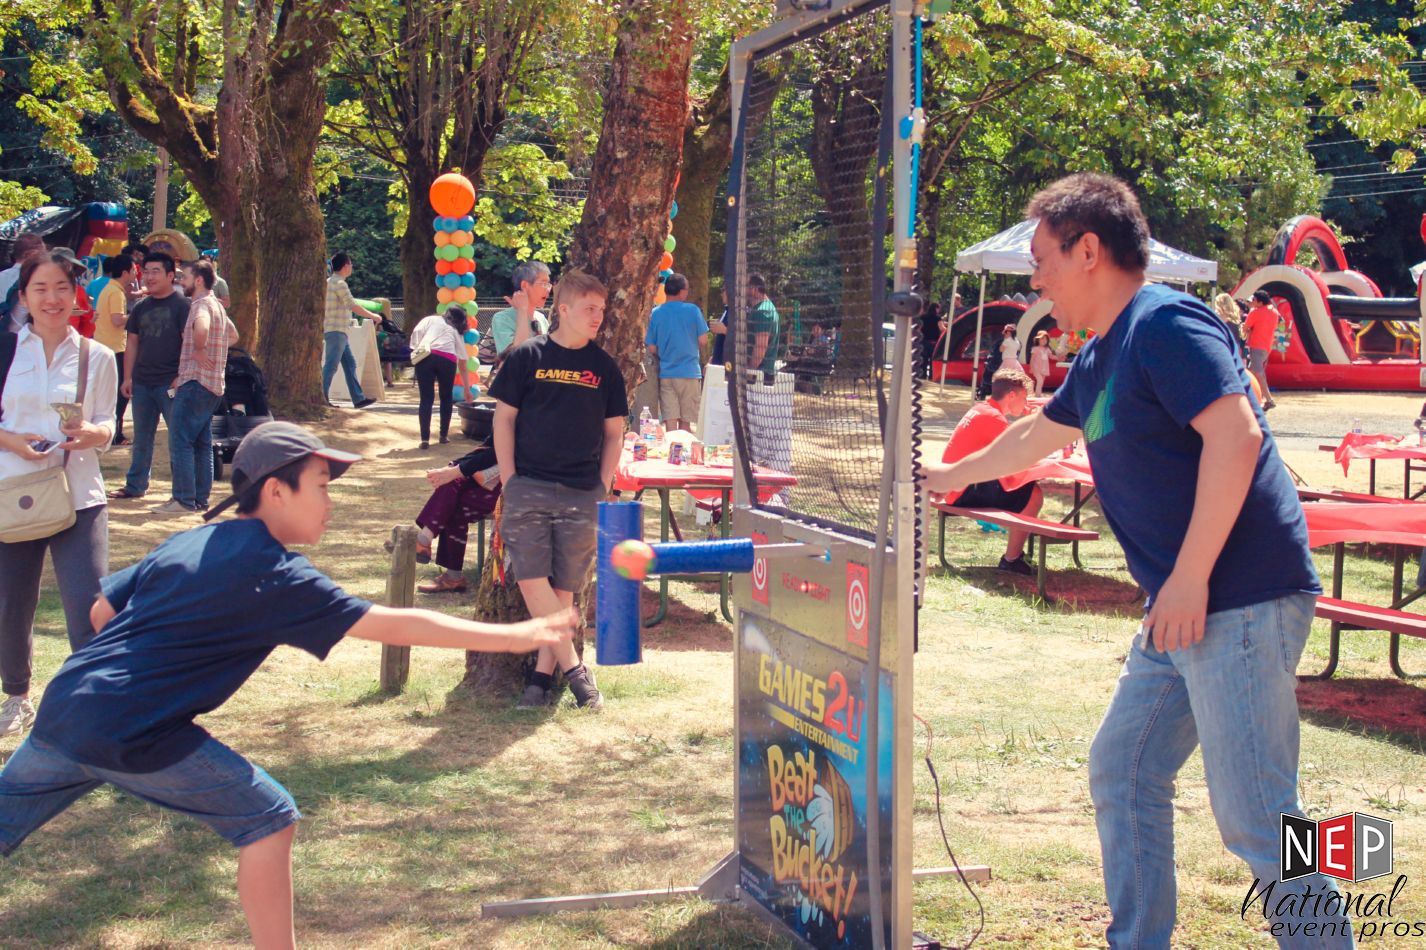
point(290, 475)
point(454, 314)
point(35, 260)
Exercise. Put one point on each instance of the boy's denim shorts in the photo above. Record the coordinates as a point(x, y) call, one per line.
point(213, 784)
point(550, 530)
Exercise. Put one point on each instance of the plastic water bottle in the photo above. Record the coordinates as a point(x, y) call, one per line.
point(645, 424)
point(1356, 427)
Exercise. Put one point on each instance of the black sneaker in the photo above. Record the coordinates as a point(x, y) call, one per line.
point(364, 403)
point(534, 697)
point(581, 684)
point(1017, 566)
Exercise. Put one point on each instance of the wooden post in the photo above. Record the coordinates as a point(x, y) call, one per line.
point(400, 592)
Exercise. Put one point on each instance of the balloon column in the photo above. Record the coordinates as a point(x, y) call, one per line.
point(669, 244)
point(452, 198)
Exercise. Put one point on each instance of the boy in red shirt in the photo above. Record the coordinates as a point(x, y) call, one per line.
point(978, 428)
point(1259, 328)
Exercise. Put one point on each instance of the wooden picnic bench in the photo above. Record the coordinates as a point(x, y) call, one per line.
point(1350, 615)
point(1048, 532)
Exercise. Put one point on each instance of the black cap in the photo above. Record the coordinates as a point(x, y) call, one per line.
point(268, 448)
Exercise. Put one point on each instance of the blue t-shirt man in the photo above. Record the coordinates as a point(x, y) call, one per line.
point(1133, 392)
point(178, 648)
point(675, 327)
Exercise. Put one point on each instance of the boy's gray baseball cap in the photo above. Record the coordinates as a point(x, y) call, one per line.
point(268, 448)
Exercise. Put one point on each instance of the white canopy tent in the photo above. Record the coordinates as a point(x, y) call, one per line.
point(1009, 253)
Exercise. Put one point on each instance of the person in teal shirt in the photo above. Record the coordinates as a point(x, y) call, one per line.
point(531, 288)
point(764, 328)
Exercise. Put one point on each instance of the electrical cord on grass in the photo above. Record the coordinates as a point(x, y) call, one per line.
point(945, 839)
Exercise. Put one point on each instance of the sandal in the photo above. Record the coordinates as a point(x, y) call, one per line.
point(122, 493)
point(445, 584)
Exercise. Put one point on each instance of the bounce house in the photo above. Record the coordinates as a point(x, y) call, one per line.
point(97, 229)
point(1344, 333)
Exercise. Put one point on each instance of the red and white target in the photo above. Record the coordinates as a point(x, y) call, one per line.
point(759, 573)
point(858, 603)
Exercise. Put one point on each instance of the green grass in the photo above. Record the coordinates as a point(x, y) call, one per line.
point(421, 807)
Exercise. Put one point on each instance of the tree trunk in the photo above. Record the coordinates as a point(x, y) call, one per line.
point(417, 264)
point(707, 144)
point(620, 237)
point(621, 234)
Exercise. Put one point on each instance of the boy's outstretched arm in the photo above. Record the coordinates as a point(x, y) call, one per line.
point(412, 627)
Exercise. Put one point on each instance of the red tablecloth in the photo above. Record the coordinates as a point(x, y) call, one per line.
point(1055, 468)
point(709, 479)
point(1363, 445)
point(1329, 522)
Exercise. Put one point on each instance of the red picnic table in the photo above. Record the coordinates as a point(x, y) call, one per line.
point(1401, 524)
point(704, 482)
point(1375, 445)
point(1060, 468)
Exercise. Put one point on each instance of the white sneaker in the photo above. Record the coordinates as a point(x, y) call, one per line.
point(173, 507)
point(16, 715)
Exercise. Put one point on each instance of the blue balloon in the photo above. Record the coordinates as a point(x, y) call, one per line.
point(450, 280)
point(665, 274)
point(466, 223)
point(467, 280)
point(440, 280)
point(673, 212)
point(471, 337)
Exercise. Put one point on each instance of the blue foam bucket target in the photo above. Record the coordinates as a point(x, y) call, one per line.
point(617, 626)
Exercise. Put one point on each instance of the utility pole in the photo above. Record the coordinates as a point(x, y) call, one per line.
point(160, 192)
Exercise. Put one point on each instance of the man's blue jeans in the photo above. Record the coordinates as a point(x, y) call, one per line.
point(190, 443)
point(1234, 695)
point(145, 406)
point(338, 350)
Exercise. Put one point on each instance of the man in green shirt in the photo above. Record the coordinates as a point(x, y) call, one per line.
point(764, 328)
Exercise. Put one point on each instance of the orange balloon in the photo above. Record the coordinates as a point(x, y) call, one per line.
point(452, 195)
point(463, 265)
point(443, 267)
point(442, 239)
point(464, 294)
point(660, 296)
point(471, 322)
point(666, 262)
point(445, 295)
point(460, 238)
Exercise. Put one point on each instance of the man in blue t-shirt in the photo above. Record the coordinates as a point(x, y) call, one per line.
point(180, 632)
point(676, 330)
point(1190, 480)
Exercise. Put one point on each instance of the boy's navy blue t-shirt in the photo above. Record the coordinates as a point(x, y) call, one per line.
point(196, 618)
point(1133, 393)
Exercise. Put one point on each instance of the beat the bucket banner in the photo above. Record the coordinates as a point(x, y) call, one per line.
point(802, 784)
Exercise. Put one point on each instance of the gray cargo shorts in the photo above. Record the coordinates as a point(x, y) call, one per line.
point(551, 530)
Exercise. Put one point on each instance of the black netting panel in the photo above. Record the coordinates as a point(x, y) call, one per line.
point(808, 386)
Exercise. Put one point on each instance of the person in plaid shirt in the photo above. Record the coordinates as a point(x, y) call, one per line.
point(340, 307)
point(198, 389)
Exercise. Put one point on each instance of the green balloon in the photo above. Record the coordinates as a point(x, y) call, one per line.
point(450, 252)
point(468, 252)
point(669, 244)
point(472, 308)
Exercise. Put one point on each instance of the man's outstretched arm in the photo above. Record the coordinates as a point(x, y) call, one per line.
point(1018, 447)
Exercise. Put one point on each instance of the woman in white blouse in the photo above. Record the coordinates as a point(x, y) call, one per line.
point(44, 371)
point(444, 335)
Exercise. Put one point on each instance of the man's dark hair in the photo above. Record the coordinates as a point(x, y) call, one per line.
point(118, 265)
point(1262, 297)
point(26, 244)
point(758, 282)
point(290, 475)
point(675, 285)
point(159, 257)
point(339, 260)
point(203, 272)
point(136, 250)
point(1006, 381)
point(1102, 205)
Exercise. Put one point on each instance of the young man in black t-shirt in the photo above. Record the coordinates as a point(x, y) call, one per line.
point(559, 427)
point(150, 364)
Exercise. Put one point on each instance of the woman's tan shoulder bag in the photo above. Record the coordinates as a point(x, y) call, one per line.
point(37, 504)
